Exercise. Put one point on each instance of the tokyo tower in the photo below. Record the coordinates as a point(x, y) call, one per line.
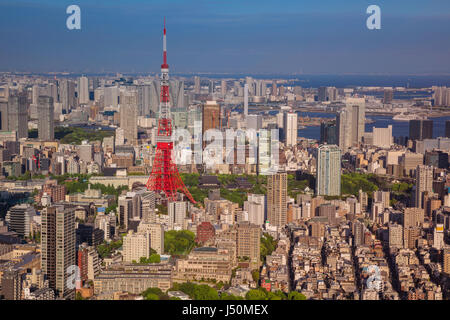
point(165, 176)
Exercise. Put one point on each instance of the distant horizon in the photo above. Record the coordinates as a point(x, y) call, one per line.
point(193, 73)
point(303, 80)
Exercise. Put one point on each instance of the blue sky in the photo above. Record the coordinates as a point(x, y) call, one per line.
point(231, 36)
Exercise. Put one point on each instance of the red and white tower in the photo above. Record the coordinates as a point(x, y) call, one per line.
point(165, 177)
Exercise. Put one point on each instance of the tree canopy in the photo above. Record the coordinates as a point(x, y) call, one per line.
point(179, 242)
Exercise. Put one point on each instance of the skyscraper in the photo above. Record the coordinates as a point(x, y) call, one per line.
point(211, 116)
point(223, 87)
point(351, 123)
point(328, 177)
point(128, 115)
point(177, 213)
point(274, 88)
point(358, 118)
point(290, 128)
point(446, 261)
point(424, 183)
point(246, 100)
point(197, 84)
point(4, 116)
point(83, 90)
point(277, 199)
point(447, 128)
point(322, 94)
point(18, 115)
point(328, 133)
point(46, 129)
point(58, 247)
point(67, 95)
point(420, 129)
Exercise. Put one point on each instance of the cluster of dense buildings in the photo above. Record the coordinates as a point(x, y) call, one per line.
point(100, 219)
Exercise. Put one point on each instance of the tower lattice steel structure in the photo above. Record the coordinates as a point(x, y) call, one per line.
point(165, 177)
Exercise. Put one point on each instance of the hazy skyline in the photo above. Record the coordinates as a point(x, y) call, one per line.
point(227, 36)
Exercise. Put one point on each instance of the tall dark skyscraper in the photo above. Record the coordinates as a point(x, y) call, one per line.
point(447, 128)
point(322, 94)
point(3, 116)
point(58, 247)
point(328, 133)
point(46, 129)
point(420, 129)
point(18, 115)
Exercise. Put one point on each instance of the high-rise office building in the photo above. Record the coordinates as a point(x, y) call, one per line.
point(322, 94)
point(290, 128)
point(328, 133)
point(254, 121)
point(277, 199)
point(46, 127)
point(246, 100)
point(111, 96)
point(58, 247)
point(211, 116)
point(128, 115)
point(67, 95)
point(437, 159)
point(248, 242)
point(256, 208)
point(358, 230)
point(351, 123)
point(177, 213)
point(413, 217)
point(19, 219)
point(358, 118)
point(223, 87)
point(424, 183)
point(197, 84)
point(441, 96)
point(144, 100)
point(447, 128)
point(18, 115)
point(383, 197)
point(395, 235)
point(86, 151)
point(83, 90)
point(382, 137)
point(446, 261)
point(328, 177)
point(420, 129)
point(156, 231)
point(4, 116)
